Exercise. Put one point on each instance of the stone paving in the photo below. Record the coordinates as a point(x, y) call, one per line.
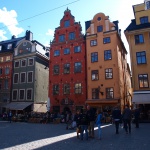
point(28, 136)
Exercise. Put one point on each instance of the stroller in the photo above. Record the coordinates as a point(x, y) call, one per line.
point(71, 125)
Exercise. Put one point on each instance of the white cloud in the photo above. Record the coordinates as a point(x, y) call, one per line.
point(50, 32)
point(8, 18)
point(2, 36)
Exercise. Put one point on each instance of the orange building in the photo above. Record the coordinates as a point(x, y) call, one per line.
point(67, 71)
point(138, 37)
point(108, 74)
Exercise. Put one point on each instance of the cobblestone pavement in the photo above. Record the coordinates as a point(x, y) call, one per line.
point(27, 136)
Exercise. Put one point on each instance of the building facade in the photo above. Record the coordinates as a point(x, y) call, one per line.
point(138, 37)
point(108, 74)
point(6, 69)
point(67, 74)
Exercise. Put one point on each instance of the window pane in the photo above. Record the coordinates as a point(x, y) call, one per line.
point(77, 49)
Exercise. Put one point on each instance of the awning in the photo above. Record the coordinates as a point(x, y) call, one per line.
point(18, 105)
point(141, 98)
point(40, 108)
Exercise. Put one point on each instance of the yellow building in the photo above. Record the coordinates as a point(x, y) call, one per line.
point(108, 74)
point(138, 37)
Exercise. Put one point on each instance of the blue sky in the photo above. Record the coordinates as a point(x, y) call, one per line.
point(14, 14)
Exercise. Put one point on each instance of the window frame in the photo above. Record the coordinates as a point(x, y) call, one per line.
point(94, 57)
point(107, 55)
point(95, 93)
point(109, 72)
point(66, 23)
point(106, 40)
point(100, 28)
point(96, 73)
point(67, 68)
point(22, 62)
point(144, 19)
point(108, 93)
point(143, 81)
point(29, 61)
point(13, 94)
point(71, 35)
point(27, 93)
point(77, 67)
point(17, 66)
point(7, 70)
point(17, 78)
point(141, 57)
point(62, 38)
point(24, 77)
point(66, 89)
point(78, 88)
point(66, 51)
point(56, 53)
point(56, 67)
point(77, 49)
point(56, 89)
point(93, 43)
point(28, 77)
point(20, 94)
point(138, 40)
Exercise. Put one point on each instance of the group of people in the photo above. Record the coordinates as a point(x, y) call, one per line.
point(86, 120)
point(125, 118)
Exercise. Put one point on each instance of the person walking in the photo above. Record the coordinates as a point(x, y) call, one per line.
point(10, 116)
point(91, 116)
point(98, 123)
point(116, 115)
point(127, 116)
point(136, 117)
point(84, 121)
point(77, 119)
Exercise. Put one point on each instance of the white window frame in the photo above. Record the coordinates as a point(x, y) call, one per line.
point(0, 47)
point(12, 95)
point(24, 94)
point(14, 78)
point(25, 77)
point(7, 58)
point(15, 62)
point(31, 93)
point(25, 64)
point(28, 61)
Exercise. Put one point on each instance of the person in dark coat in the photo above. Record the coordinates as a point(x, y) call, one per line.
point(136, 117)
point(116, 114)
point(127, 116)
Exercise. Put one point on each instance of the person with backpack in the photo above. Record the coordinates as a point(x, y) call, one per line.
point(98, 123)
point(84, 122)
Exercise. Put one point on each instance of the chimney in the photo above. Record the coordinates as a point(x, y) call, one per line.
point(29, 35)
point(13, 37)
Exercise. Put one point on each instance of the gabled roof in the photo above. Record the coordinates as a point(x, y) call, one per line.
point(132, 26)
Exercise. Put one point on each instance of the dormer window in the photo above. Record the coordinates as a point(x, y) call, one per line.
point(144, 19)
point(67, 23)
point(9, 46)
point(0, 47)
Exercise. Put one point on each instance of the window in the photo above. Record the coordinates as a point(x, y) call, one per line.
point(93, 42)
point(61, 38)
point(141, 57)
point(30, 77)
point(14, 95)
point(23, 63)
point(5, 84)
point(94, 57)
point(71, 36)
point(66, 68)
point(107, 55)
point(144, 20)
point(78, 88)
point(7, 58)
point(21, 94)
point(99, 18)
point(1, 71)
point(16, 64)
point(1, 59)
point(95, 75)
point(16, 78)
point(56, 52)
point(55, 89)
point(30, 61)
point(6, 70)
point(106, 40)
point(24, 43)
point(9, 46)
point(22, 77)
point(139, 39)
point(56, 69)
point(66, 51)
point(77, 67)
point(95, 93)
point(66, 89)
point(0, 47)
point(148, 5)
point(109, 93)
point(67, 23)
point(108, 73)
point(77, 49)
point(143, 81)
point(29, 94)
point(99, 28)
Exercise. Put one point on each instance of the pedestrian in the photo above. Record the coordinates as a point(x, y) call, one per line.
point(136, 117)
point(98, 123)
point(77, 119)
point(116, 115)
point(91, 116)
point(84, 122)
point(127, 116)
point(10, 116)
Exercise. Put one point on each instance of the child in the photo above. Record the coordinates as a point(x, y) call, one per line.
point(98, 123)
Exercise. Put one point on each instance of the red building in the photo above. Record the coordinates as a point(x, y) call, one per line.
point(67, 70)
